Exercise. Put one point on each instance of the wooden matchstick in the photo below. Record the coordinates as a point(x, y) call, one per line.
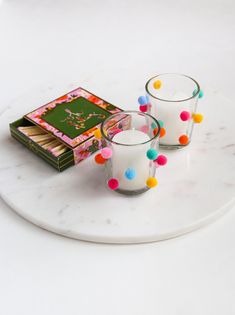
point(58, 147)
point(45, 140)
point(41, 137)
point(31, 130)
point(61, 151)
point(49, 144)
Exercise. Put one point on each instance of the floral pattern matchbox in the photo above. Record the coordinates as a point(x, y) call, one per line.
point(67, 130)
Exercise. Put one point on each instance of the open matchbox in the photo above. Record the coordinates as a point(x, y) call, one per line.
point(63, 132)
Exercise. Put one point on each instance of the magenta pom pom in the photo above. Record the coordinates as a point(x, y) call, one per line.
point(117, 131)
point(185, 115)
point(161, 160)
point(106, 153)
point(113, 183)
point(143, 108)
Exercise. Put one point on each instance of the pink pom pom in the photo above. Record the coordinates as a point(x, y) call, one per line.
point(161, 160)
point(106, 153)
point(185, 115)
point(117, 131)
point(113, 183)
point(143, 108)
point(144, 129)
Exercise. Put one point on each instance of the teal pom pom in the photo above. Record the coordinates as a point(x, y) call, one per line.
point(152, 154)
point(161, 123)
point(200, 95)
point(194, 92)
point(142, 100)
point(130, 173)
point(153, 125)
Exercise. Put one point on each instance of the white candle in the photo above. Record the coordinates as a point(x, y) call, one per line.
point(169, 114)
point(134, 157)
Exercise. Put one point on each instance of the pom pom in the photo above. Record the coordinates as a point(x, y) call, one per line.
point(153, 125)
point(161, 123)
point(113, 183)
point(143, 108)
point(195, 92)
point(99, 159)
point(142, 100)
point(200, 95)
point(151, 182)
point(157, 84)
point(97, 134)
point(184, 115)
point(197, 118)
point(162, 132)
point(183, 139)
point(116, 131)
point(161, 160)
point(152, 154)
point(144, 129)
point(106, 153)
point(130, 173)
point(155, 131)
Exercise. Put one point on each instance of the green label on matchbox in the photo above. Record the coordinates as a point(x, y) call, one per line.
point(74, 117)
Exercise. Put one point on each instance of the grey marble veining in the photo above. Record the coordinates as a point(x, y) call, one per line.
point(196, 186)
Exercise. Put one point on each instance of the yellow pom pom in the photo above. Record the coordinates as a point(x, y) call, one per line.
point(97, 134)
point(157, 84)
point(197, 118)
point(151, 182)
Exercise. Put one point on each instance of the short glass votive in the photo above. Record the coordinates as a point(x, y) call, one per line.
point(172, 99)
point(130, 141)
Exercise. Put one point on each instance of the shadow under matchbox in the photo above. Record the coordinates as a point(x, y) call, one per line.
point(67, 130)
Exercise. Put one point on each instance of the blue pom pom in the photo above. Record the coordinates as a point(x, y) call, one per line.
point(142, 100)
point(200, 95)
point(152, 154)
point(130, 173)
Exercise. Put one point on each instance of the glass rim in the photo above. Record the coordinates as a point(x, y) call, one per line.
point(167, 100)
point(129, 112)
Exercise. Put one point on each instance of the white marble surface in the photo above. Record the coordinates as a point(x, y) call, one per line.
point(196, 186)
point(42, 49)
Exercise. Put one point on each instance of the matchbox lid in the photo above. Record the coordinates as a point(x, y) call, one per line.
point(73, 117)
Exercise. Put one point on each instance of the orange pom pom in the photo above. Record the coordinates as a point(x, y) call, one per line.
point(157, 84)
point(155, 131)
point(162, 132)
point(97, 134)
point(99, 159)
point(151, 182)
point(183, 139)
point(197, 118)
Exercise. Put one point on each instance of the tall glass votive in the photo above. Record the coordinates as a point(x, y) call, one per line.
point(130, 141)
point(173, 100)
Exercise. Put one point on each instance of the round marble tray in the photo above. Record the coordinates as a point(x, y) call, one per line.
point(196, 186)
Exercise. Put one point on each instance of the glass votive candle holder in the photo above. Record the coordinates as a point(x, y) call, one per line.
point(130, 151)
point(172, 99)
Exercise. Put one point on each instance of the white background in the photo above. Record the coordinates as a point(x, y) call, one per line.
point(55, 46)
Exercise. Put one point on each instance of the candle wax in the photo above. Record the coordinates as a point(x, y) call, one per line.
point(169, 113)
point(132, 156)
